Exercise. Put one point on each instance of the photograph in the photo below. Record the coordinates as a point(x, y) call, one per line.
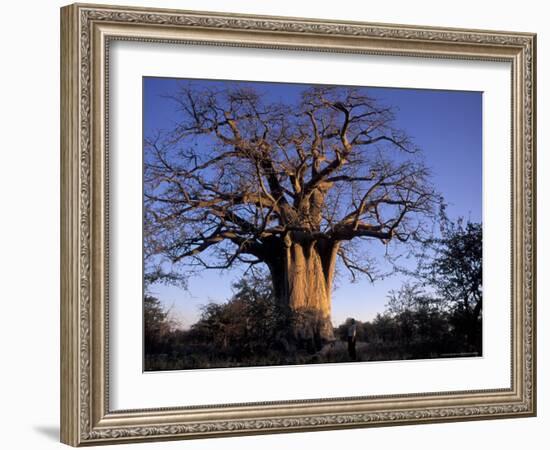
point(292, 224)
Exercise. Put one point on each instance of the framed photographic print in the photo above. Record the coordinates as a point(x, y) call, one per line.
point(275, 224)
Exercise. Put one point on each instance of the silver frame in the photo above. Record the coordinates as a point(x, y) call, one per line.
point(86, 32)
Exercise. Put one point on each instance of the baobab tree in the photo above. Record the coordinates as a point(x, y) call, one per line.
point(298, 187)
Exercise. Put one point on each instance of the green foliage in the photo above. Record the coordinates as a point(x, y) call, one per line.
point(249, 329)
point(456, 273)
point(250, 324)
point(438, 316)
point(155, 324)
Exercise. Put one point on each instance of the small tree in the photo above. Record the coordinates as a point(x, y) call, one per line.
point(455, 270)
point(421, 318)
point(250, 324)
point(155, 323)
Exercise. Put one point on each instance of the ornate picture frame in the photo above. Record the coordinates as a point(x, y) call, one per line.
point(87, 31)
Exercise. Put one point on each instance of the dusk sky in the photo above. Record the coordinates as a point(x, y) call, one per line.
point(445, 125)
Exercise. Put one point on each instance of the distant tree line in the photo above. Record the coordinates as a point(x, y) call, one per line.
point(437, 314)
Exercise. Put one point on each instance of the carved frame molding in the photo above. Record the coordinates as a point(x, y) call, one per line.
point(86, 31)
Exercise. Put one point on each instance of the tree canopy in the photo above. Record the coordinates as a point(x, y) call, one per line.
point(236, 171)
point(294, 185)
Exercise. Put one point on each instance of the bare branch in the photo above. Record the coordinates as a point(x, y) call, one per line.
point(237, 175)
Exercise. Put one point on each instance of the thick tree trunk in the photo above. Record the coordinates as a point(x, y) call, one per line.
point(302, 275)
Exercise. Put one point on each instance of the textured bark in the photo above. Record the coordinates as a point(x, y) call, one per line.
point(302, 275)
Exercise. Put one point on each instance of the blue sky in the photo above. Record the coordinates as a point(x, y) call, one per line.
point(446, 125)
